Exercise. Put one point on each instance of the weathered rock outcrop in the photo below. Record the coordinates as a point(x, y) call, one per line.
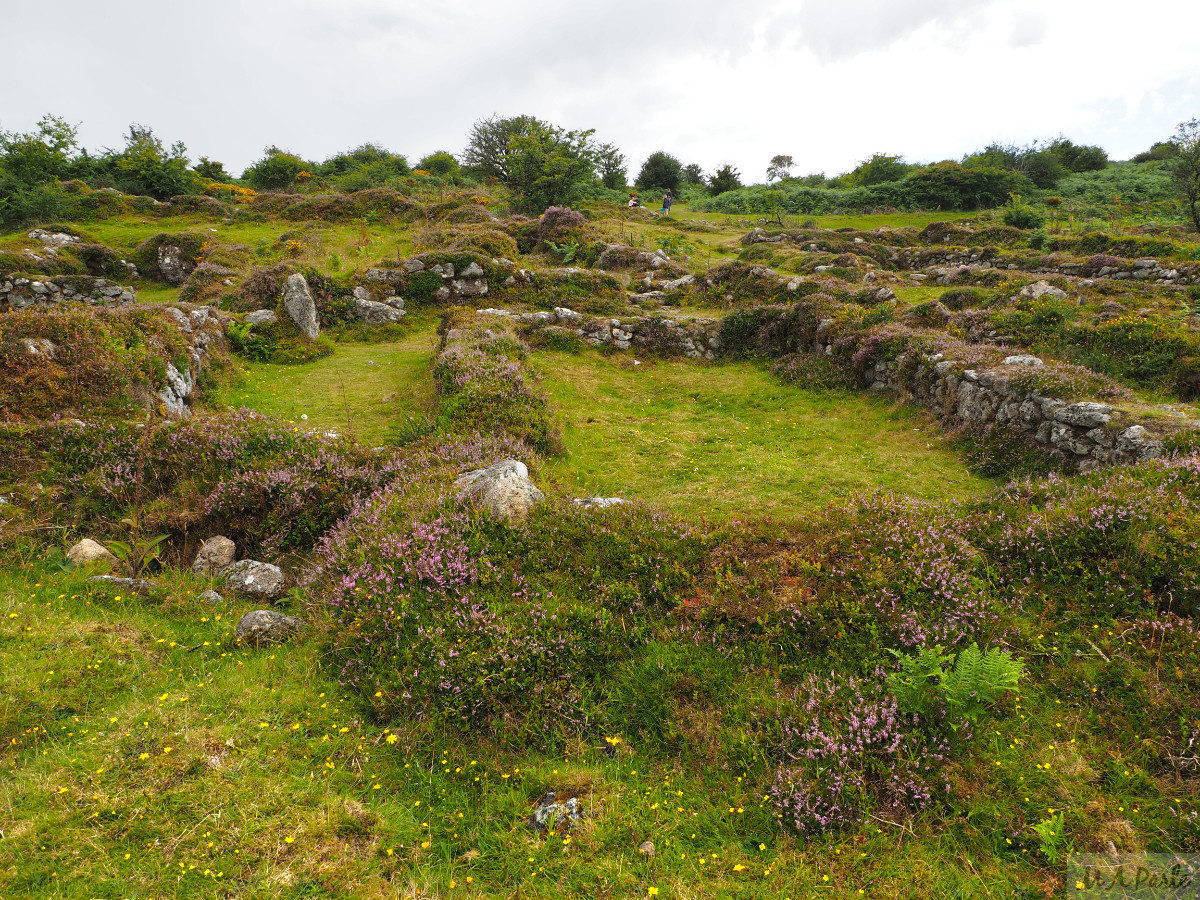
point(504, 489)
point(300, 305)
point(266, 626)
point(258, 579)
point(215, 556)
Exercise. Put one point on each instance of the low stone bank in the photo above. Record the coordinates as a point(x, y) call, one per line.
point(17, 292)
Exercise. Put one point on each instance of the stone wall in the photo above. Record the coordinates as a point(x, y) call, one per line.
point(1083, 434)
point(203, 331)
point(693, 338)
point(17, 292)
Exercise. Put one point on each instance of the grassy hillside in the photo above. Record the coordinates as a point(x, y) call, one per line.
point(758, 678)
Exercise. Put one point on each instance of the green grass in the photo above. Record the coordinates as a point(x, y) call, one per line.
point(145, 754)
point(362, 390)
point(724, 440)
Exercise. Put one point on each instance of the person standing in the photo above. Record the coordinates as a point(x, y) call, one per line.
point(666, 207)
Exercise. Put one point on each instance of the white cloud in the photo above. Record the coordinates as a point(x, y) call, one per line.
point(827, 82)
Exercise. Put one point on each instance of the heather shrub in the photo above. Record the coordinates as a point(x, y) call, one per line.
point(110, 360)
point(460, 620)
point(258, 479)
point(560, 340)
point(1002, 452)
point(263, 286)
point(484, 388)
point(815, 372)
point(1104, 545)
point(908, 579)
point(846, 748)
point(962, 298)
point(558, 222)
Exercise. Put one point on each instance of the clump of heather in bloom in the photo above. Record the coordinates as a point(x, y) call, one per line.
point(445, 614)
point(898, 573)
point(844, 748)
point(484, 387)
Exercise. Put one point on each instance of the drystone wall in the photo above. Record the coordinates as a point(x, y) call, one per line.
point(693, 338)
point(17, 292)
point(1083, 434)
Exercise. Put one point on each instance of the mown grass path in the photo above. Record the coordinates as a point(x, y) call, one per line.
point(362, 390)
point(726, 440)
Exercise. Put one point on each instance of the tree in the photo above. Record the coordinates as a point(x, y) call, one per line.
point(212, 170)
point(1186, 168)
point(725, 179)
point(542, 164)
point(692, 174)
point(780, 168)
point(1159, 150)
point(661, 170)
point(146, 167)
point(41, 156)
point(1043, 167)
point(948, 185)
point(880, 168)
point(1078, 157)
point(441, 163)
point(276, 171)
point(610, 162)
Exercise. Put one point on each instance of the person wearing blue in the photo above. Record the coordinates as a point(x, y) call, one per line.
point(666, 207)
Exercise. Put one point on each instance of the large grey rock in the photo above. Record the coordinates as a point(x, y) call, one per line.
point(88, 551)
point(1042, 289)
point(503, 489)
point(299, 303)
point(374, 313)
point(266, 626)
point(258, 579)
point(1022, 361)
point(1085, 415)
point(173, 264)
point(215, 556)
point(175, 392)
point(262, 317)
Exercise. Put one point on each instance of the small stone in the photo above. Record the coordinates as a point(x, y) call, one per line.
point(130, 585)
point(262, 317)
point(215, 556)
point(646, 848)
point(266, 626)
point(259, 579)
point(211, 597)
point(551, 812)
point(88, 551)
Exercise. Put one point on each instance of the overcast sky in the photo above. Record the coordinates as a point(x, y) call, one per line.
point(827, 81)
